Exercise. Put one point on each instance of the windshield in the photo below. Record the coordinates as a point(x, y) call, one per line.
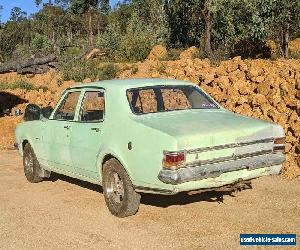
point(168, 98)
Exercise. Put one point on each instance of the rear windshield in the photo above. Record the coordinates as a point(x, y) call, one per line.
point(168, 98)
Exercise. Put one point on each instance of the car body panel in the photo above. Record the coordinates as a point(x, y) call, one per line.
point(80, 151)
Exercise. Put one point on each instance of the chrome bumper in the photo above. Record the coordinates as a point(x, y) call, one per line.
point(196, 172)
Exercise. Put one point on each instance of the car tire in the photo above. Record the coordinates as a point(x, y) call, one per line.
point(31, 165)
point(120, 196)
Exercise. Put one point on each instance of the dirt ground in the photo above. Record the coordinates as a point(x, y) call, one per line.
point(70, 214)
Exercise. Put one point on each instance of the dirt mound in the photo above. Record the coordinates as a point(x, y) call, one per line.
point(189, 53)
point(158, 52)
point(294, 45)
point(264, 89)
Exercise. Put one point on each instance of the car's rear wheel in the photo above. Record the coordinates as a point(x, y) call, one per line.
point(31, 165)
point(120, 196)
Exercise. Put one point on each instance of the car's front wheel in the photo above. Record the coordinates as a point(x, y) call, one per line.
point(31, 165)
point(120, 196)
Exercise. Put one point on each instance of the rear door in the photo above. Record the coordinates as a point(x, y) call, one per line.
point(58, 132)
point(86, 134)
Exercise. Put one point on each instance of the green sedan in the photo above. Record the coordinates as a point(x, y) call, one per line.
point(137, 136)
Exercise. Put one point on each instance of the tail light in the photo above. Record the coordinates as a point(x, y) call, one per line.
point(173, 160)
point(279, 144)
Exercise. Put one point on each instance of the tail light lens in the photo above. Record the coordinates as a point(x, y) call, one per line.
point(173, 160)
point(279, 144)
point(280, 140)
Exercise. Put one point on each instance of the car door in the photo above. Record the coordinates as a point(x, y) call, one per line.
point(86, 134)
point(58, 132)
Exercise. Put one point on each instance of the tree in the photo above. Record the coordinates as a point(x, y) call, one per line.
point(104, 6)
point(17, 15)
point(286, 22)
point(185, 22)
point(49, 21)
point(242, 26)
point(206, 12)
point(39, 2)
point(85, 7)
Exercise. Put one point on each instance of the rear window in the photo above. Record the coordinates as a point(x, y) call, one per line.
point(168, 98)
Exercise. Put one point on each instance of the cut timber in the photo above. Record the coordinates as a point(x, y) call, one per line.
point(94, 53)
point(20, 65)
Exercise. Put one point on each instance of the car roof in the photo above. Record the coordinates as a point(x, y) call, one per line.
point(130, 83)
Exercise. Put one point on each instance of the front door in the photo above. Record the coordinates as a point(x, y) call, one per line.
point(58, 133)
point(86, 134)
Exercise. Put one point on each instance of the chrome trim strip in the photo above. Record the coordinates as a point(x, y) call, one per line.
point(232, 157)
point(197, 173)
point(230, 145)
point(154, 190)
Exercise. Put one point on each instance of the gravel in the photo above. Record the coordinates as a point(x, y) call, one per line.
point(67, 213)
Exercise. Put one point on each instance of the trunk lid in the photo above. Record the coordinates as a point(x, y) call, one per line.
point(198, 129)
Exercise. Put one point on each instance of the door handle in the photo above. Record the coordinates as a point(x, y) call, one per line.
point(67, 127)
point(96, 129)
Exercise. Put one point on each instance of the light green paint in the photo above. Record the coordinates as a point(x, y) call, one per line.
point(79, 152)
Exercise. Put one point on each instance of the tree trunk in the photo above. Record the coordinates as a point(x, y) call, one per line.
point(285, 41)
point(206, 12)
point(89, 24)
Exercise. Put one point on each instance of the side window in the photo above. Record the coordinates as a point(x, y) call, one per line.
point(92, 109)
point(66, 111)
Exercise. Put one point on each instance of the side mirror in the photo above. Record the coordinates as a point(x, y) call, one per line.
point(32, 112)
point(46, 112)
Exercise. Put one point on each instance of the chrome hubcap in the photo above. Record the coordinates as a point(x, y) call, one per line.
point(29, 163)
point(116, 188)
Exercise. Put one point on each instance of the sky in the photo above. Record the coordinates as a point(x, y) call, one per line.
point(26, 5)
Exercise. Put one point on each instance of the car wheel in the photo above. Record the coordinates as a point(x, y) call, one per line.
point(31, 165)
point(120, 196)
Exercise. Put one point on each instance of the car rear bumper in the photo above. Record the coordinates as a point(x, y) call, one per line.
point(213, 170)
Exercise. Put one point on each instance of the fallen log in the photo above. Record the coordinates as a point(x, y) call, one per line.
point(37, 69)
point(19, 65)
point(94, 53)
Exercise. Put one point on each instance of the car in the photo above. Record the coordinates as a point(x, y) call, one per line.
point(136, 136)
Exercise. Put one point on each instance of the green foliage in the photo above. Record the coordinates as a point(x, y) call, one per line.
point(107, 72)
point(80, 70)
point(104, 6)
point(136, 44)
point(41, 43)
point(81, 6)
point(295, 55)
point(14, 33)
point(21, 52)
point(241, 22)
point(129, 31)
point(109, 40)
point(17, 15)
point(185, 21)
point(17, 85)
